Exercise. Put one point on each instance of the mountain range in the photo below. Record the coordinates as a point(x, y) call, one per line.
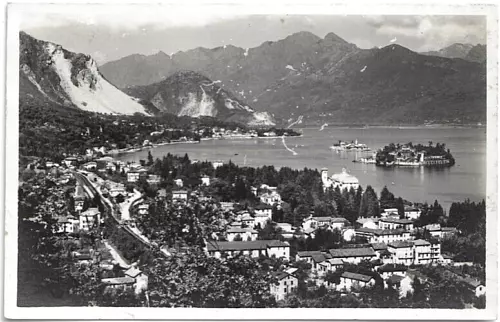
point(326, 80)
point(468, 52)
point(50, 74)
point(317, 80)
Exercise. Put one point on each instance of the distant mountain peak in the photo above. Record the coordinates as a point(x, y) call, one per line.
point(189, 93)
point(332, 37)
point(303, 35)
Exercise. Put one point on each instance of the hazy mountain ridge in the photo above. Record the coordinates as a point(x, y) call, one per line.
point(328, 79)
point(48, 72)
point(456, 50)
point(191, 94)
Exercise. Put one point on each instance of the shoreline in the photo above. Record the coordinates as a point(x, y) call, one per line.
point(155, 145)
point(402, 127)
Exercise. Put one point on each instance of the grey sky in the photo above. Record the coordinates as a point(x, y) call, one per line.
point(108, 38)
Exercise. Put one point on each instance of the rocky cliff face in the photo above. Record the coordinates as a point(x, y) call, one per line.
point(50, 72)
point(191, 94)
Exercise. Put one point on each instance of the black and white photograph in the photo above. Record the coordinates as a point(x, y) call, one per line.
point(236, 158)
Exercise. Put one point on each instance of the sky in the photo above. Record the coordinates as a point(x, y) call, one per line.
point(108, 36)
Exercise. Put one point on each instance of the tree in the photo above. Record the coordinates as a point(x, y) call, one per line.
point(269, 232)
point(194, 280)
point(401, 207)
point(150, 158)
point(369, 206)
point(387, 199)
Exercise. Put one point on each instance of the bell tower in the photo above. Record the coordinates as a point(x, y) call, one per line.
point(324, 176)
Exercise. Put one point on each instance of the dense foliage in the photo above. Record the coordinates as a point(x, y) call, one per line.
point(193, 280)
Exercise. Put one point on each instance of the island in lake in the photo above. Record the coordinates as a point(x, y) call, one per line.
point(409, 155)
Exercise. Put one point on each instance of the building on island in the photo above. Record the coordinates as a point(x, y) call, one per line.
point(342, 180)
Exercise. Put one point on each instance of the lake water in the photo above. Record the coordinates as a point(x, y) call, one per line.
point(466, 179)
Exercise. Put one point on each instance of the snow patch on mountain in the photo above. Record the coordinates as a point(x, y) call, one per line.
point(92, 92)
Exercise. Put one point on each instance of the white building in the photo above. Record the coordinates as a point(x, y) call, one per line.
point(426, 252)
point(395, 223)
point(117, 190)
point(350, 280)
point(205, 180)
point(264, 210)
point(143, 209)
point(369, 222)
point(342, 180)
point(67, 224)
point(383, 235)
point(246, 234)
point(325, 222)
point(179, 195)
point(133, 176)
point(388, 212)
point(248, 220)
point(89, 166)
point(89, 219)
point(254, 248)
point(271, 198)
point(217, 164)
point(179, 183)
point(412, 213)
point(226, 206)
point(286, 283)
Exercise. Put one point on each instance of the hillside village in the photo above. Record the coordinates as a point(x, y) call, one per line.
point(386, 249)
